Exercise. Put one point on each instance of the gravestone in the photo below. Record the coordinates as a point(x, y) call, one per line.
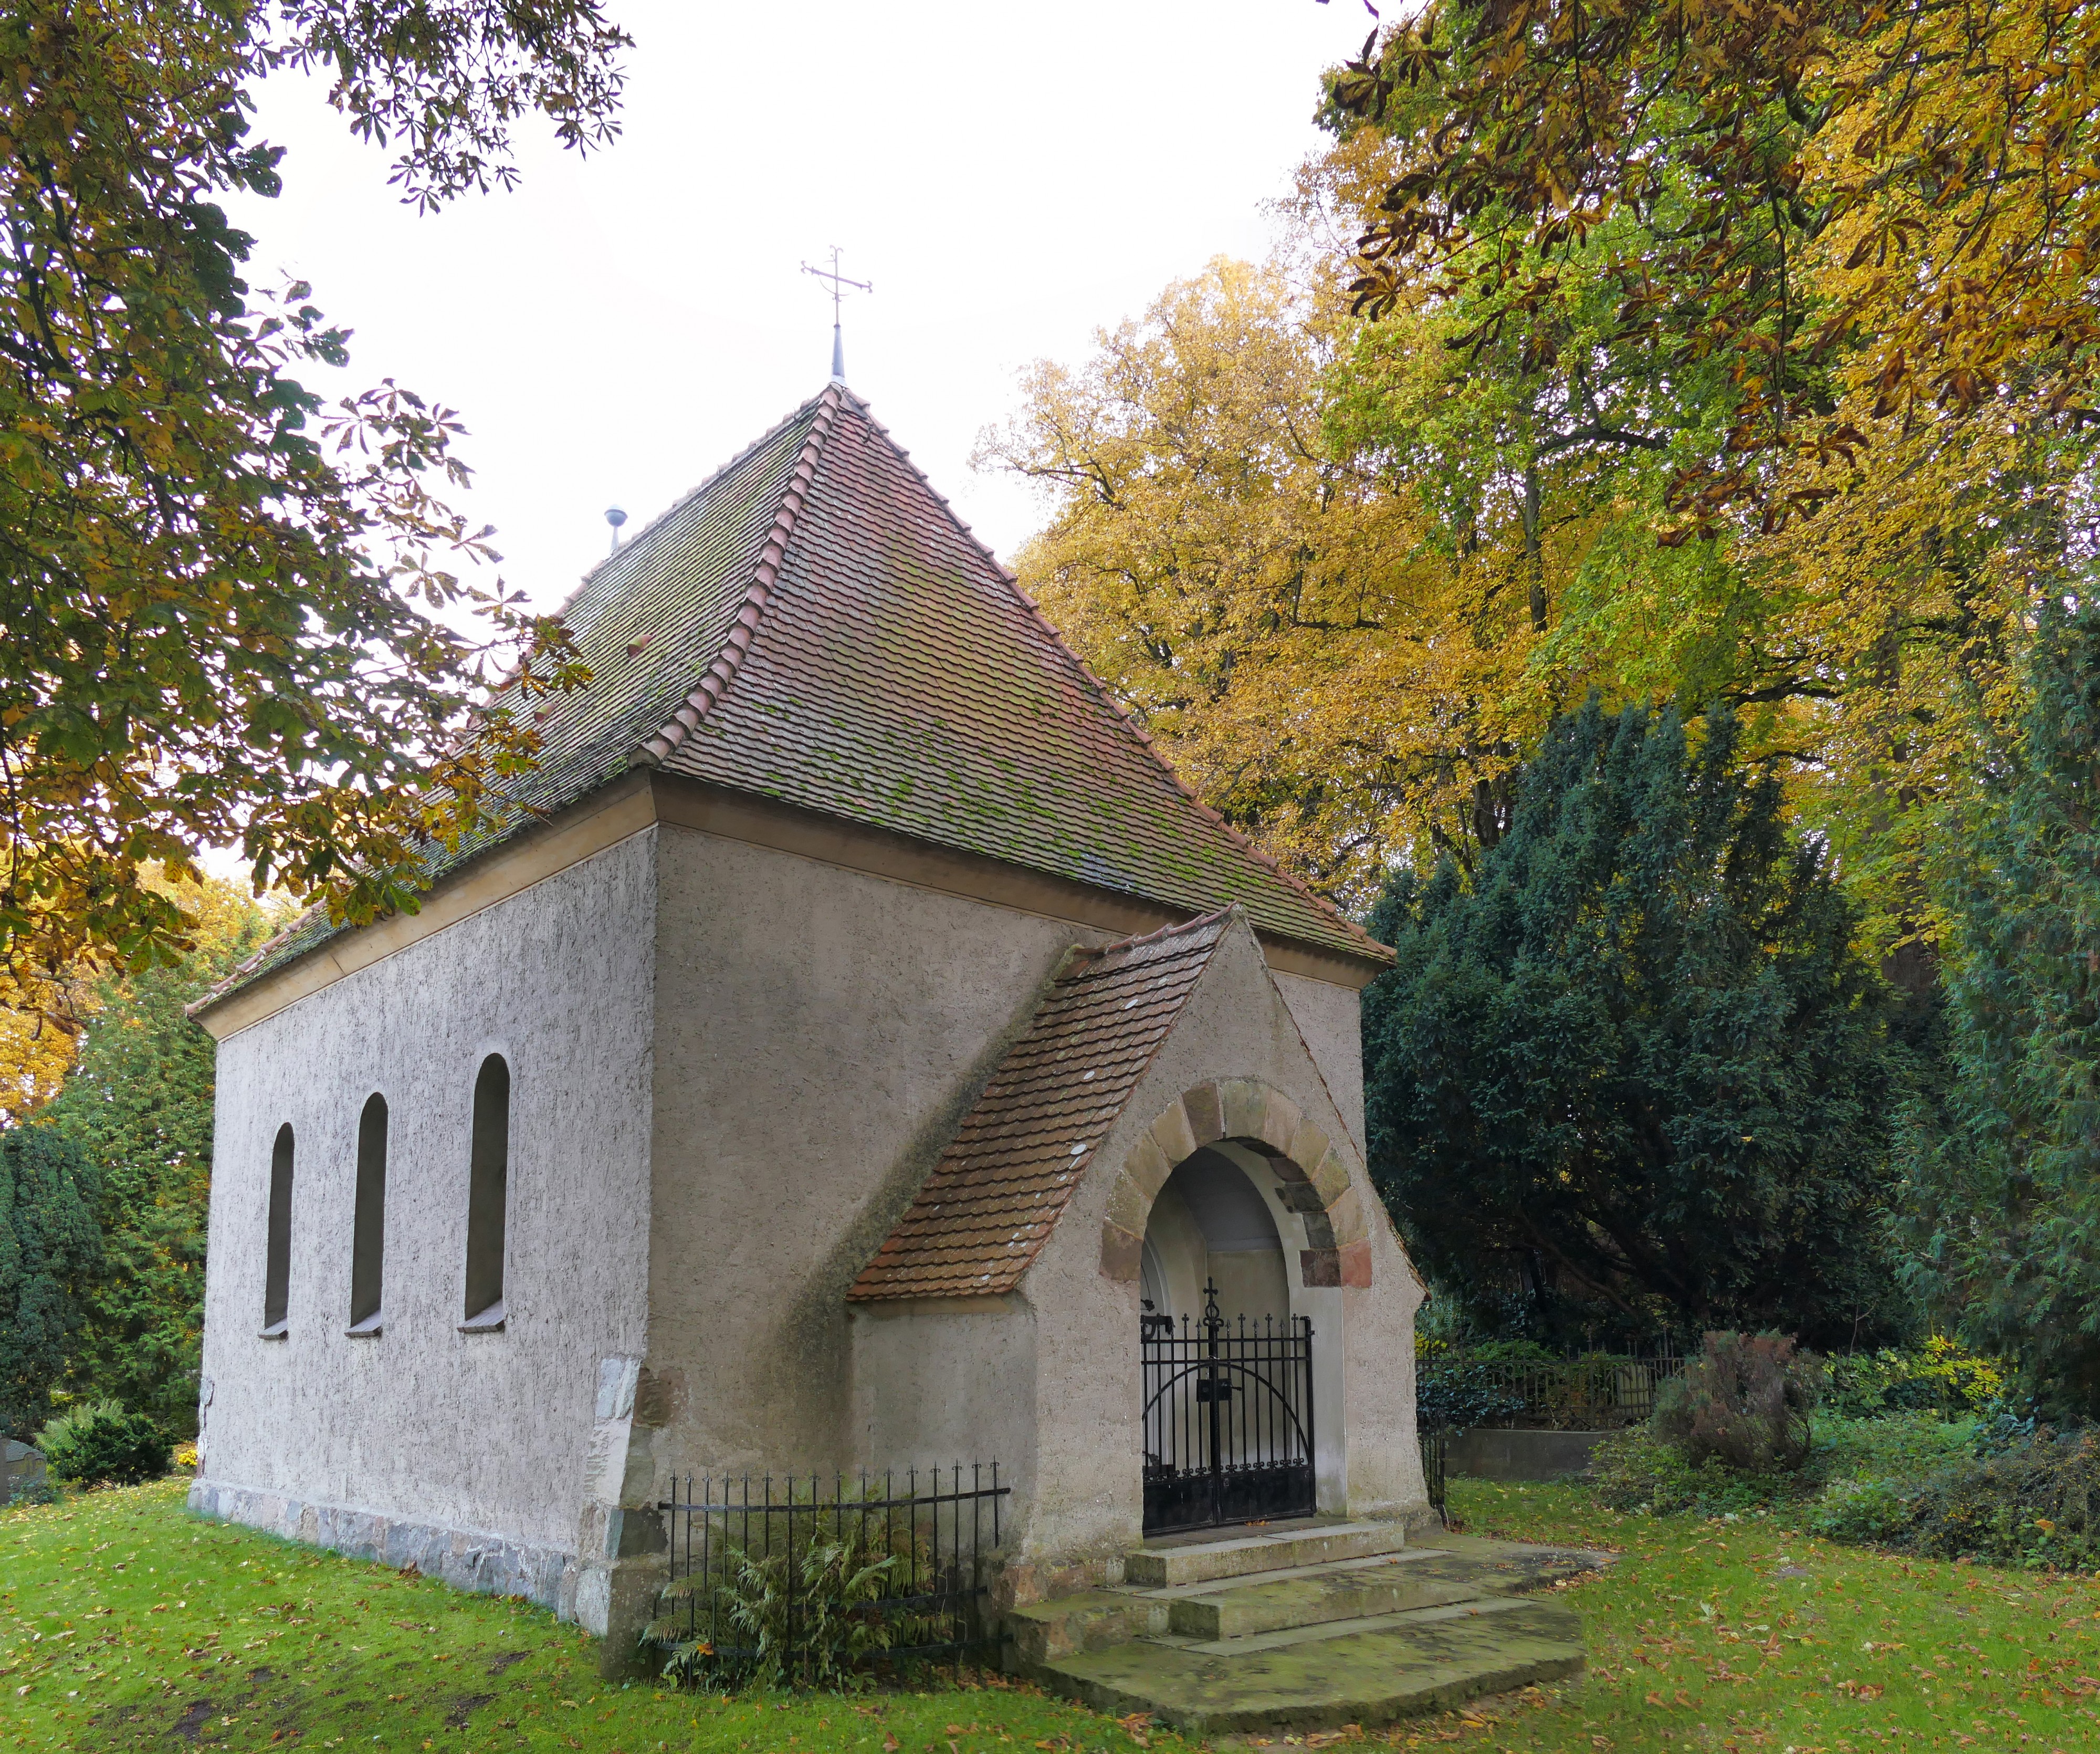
point(22, 1471)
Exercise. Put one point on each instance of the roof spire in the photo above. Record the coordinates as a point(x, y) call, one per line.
point(839, 285)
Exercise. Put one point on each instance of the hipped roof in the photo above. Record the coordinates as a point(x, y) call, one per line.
point(813, 624)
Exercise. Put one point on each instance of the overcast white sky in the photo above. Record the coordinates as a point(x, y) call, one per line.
point(1009, 177)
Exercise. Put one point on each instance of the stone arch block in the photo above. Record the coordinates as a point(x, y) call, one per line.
point(1205, 1107)
point(1347, 1216)
point(1314, 1175)
point(1171, 1132)
point(1307, 1145)
point(1282, 1120)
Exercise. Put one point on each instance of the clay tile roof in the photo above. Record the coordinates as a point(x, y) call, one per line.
point(814, 624)
point(1000, 1186)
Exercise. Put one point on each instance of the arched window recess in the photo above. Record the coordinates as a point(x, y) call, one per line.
point(488, 1198)
point(277, 1247)
point(368, 1243)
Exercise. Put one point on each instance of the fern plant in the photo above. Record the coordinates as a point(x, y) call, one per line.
point(810, 1616)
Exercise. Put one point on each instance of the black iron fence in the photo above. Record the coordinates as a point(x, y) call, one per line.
point(1436, 1453)
point(786, 1581)
point(1227, 1419)
point(1459, 1392)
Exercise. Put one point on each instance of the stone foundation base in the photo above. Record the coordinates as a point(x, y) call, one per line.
point(466, 1559)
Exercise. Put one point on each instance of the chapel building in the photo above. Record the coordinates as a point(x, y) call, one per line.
point(856, 1051)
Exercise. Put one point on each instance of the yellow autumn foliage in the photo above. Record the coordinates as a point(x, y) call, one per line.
point(41, 1014)
point(1320, 664)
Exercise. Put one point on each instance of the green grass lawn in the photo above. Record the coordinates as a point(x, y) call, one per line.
point(1742, 1636)
point(126, 1624)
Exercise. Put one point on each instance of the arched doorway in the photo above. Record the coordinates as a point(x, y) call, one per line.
point(1226, 1364)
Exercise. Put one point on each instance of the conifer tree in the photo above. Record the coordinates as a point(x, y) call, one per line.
point(2002, 1198)
point(50, 1247)
point(139, 1103)
point(1634, 1078)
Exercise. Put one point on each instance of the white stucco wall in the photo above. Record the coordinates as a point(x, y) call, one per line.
point(732, 1067)
point(426, 1426)
point(820, 1032)
point(1330, 1018)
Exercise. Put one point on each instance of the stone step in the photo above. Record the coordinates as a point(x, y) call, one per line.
point(1343, 1592)
point(1044, 1632)
point(1472, 1606)
point(1166, 1563)
point(1362, 1673)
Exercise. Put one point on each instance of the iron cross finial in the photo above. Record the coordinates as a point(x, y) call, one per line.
point(839, 285)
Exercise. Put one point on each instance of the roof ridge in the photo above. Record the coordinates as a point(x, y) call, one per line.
point(722, 670)
point(1093, 952)
point(1013, 583)
point(687, 498)
point(962, 524)
point(1166, 766)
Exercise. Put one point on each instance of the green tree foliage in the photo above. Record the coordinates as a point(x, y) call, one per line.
point(1835, 262)
point(49, 1248)
point(2001, 1205)
point(218, 596)
point(139, 1103)
point(1634, 1077)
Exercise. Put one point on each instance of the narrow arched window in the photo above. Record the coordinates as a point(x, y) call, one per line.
point(488, 1194)
point(277, 1268)
point(367, 1236)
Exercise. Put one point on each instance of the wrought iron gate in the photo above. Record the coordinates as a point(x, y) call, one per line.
point(1227, 1419)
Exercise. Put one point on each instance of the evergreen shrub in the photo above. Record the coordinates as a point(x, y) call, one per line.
point(101, 1442)
point(1631, 1072)
point(1743, 1400)
point(1900, 1446)
point(1459, 1391)
point(50, 1250)
point(1513, 1352)
point(1998, 1208)
point(2031, 1504)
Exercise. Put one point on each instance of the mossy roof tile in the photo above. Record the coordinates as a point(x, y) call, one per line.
point(813, 624)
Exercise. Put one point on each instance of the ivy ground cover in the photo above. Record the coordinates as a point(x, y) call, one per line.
point(126, 1624)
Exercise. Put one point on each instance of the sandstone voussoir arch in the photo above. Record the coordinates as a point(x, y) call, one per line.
point(1315, 1176)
